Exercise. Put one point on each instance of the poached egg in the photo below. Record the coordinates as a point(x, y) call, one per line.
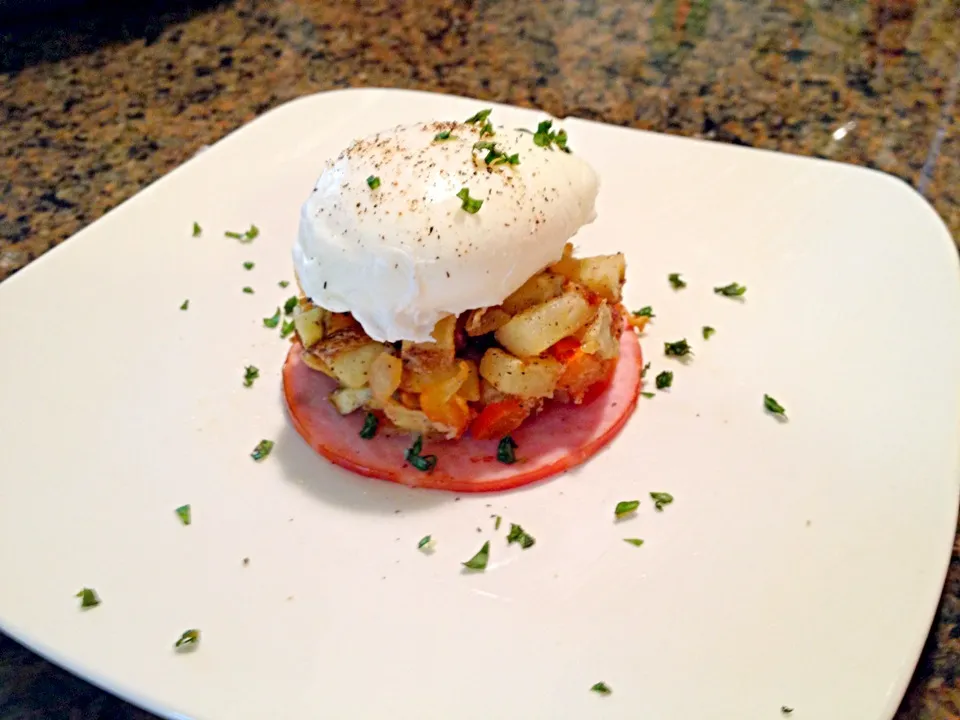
point(385, 236)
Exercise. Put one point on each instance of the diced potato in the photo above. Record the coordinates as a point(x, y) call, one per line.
point(567, 264)
point(385, 373)
point(470, 390)
point(407, 419)
point(531, 378)
point(538, 289)
point(352, 367)
point(429, 356)
point(485, 320)
point(346, 400)
point(335, 322)
point(537, 328)
point(309, 326)
point(418, 382)
point(598, 338)
point(604, 274)
point(489, 394)
point(315, 363)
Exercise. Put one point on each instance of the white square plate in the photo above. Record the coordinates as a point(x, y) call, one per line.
point(799, 565)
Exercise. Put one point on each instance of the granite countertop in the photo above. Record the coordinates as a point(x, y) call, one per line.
point(96, 105)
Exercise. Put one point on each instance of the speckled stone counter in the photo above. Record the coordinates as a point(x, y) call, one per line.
point(96, 105)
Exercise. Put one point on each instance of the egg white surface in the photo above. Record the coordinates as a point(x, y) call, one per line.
point(404, 255)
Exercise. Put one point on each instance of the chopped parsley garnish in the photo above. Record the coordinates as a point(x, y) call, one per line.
point(197, 230)
point(370, 425)
point(601, 688)
point(373, 182)
point(88, 598)
point(495, 156)
point(786, 710)
point(660, 499)
point(644, 312)
point(648, 394)
point(445, 135)
point(634, 541)
point(183, 512)
point(643, 373)
point(487, 129)
point(189, 637)
point(423, 463)
point(273, 320)
point(505, 451)
point(424, 541)
point(625, 507)
point(244, 236)
point(250, 373)
point(680, 348)
point(519, 535)
point(263, 448)
point(707, 332)
point(664, 380)
point(731, 290)
point(479, 561)
point(185, 304)
point(469, 204)
point(676, 281)
point(290, 305)
point(545, 137)
point(248, 290)
point(288, 327)
point(283, 283)
point(773, 406)
point(248, 265)
point(479, 117)
point(496, 523)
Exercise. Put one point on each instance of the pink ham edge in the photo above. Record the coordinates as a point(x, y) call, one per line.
point(559, 438)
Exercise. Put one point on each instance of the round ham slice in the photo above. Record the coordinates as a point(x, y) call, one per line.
point(559, 438)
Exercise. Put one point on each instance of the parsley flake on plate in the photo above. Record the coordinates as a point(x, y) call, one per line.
point(645, 311)
point(731, 290)
point(88, 598)
point(664, 380)
point(283, 283)
point(771, 405)
point(423, 463)
point(262, 450)
point(273, 320)
point(496, 522)
point(480, 117)
point(370, 425)
point(519, 535)
point(197, 230)
point(185, 304)
point(248, 265)
point(445, 135)
point(189, 637)
point(786, 710)
point(246, 237)
point(643, 373)
point(660, 499)
point(424, 542)
point(648, 394)
point(373, 182)
point(250, 373)
point(505, 450)
point(288, 327)
point(625, 507)
point(680, 348)
point(601, 688)
point(480, 560)
point(471, 205)
point(707, 332)
point(676, 281)
point(636, 542)
point(248, 290)
point(290, 305)
point(183, 512)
